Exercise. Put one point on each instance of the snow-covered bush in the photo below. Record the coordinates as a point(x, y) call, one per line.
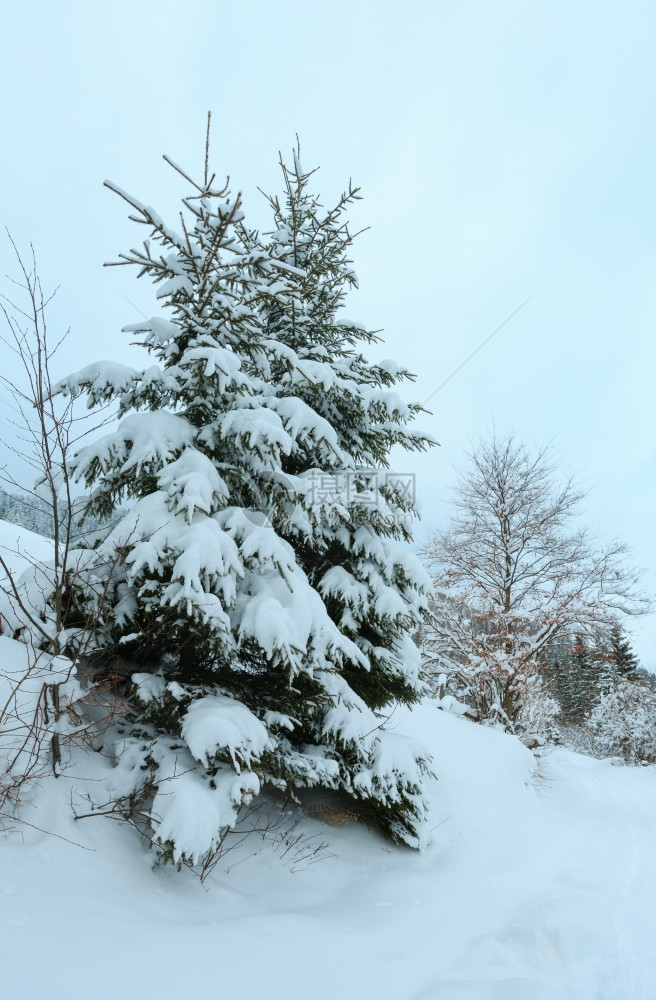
point(539, 713)
point(254, 583)
point(497, 693)
point(623, 723)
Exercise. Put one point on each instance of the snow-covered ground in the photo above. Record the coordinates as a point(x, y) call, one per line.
point(20, 547)
point(539, 882)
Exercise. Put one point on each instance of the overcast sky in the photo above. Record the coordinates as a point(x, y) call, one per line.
point(504, 149)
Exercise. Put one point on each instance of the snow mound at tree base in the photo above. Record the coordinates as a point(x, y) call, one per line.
point(538, 885)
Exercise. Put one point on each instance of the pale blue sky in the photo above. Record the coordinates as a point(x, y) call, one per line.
point(504, 149)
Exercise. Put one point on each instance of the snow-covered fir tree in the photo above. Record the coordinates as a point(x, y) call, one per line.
point(617, 658)
point(269, 619)
point(579, 672)
point(357, 505)
point(573, 675)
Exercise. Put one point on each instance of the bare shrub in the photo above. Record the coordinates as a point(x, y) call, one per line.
point(49, 608)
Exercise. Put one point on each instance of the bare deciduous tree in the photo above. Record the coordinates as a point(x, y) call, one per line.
point(513, 572)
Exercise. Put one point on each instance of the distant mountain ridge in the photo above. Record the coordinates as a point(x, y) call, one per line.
point(27, 510)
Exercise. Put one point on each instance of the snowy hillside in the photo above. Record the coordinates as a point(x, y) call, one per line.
point(20, 547)
point(539, 883)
